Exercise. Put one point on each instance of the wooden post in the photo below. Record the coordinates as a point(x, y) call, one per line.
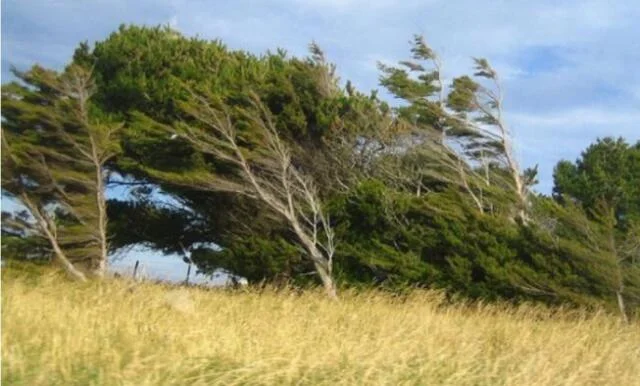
point(186, 282)
point(135, 270)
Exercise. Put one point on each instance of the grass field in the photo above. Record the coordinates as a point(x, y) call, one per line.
point(56, 332)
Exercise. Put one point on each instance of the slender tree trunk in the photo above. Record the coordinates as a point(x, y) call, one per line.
point(94, 155)
point(465, 183)
point(322, 264)
point(64, 261)
point(620, 277)
point(60, 256)
point(327, 281)
point(100, 266)
point(621, 304)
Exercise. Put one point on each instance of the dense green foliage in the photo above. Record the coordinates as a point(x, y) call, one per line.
point(55, 144)
point(605, 183)
point(609, 171)
point(426, 194)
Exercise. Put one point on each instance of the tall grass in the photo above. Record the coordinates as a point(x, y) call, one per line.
point(55, 332)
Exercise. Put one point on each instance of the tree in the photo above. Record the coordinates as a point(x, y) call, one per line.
point(429, 157)
point(393, 238)
point(257, 164)
point(480, 108)
point(460, 137)
point(143, 75)
point(268, 175)
point(54, 156)
point(608, 170)
point(605, 182)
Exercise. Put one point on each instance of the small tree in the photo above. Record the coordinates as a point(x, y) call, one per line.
point(608, 170)
point(456, 136)
point(620, 250)
point(605, 182)
point(605, 215)
point(27, 181)
point(54, 157)
point(265, 174)
point(480, 110)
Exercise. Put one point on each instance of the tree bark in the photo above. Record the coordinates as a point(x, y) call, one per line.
point(621, 305)
point(44, 226)
point(327, 281)
point(100, 266)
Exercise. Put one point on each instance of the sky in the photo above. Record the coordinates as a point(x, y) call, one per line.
point(569, 68)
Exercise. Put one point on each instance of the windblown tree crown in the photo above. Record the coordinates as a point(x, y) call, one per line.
point(55, 149)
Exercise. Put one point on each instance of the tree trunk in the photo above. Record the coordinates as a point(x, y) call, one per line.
point(327, 281)
point(621, 306)
point(44, 226)
point(65, 263)
point(100, 266)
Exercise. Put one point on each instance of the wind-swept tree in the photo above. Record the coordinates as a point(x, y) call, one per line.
point(458, 136)
point(429, 157)
point(241, 159)
point(608, 170)
point(54, 154)
point(605, 182)
point(266, 173)
point(480, 110)
point(142, 73)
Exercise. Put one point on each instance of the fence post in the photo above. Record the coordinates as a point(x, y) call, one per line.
point(135, 270)
point(186, 282)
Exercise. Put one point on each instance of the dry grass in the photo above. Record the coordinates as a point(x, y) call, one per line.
point(62, 333)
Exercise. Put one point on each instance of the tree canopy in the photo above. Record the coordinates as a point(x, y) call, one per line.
point(265, 166)
point(608, 171)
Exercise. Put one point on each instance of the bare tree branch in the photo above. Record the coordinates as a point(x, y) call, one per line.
point(271, 176)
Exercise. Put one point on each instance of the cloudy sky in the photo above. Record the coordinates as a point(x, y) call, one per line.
point(570, 68)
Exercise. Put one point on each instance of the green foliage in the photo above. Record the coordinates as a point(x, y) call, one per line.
point(418, 196)
point(461, 97)
point(258, 259)
point(605, 183)
point(609, 171)
point(398, 239)
point(55, 147)
point(136, 68)
point(418, 84)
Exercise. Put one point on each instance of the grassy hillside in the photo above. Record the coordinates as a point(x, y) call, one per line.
point(55, 332)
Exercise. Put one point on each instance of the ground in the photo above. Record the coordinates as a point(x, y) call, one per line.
point(57, 332)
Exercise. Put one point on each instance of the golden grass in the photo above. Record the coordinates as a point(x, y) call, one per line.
point(62, 333)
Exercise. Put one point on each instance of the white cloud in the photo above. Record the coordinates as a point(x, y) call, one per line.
point(355, 5)
point(555, 113)
point(594, 89)
point(577, 117)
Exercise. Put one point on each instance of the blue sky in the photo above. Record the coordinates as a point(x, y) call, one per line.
point(570, 68)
